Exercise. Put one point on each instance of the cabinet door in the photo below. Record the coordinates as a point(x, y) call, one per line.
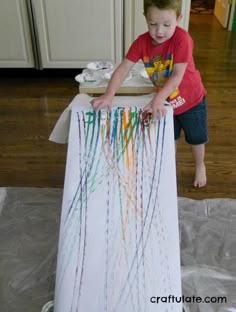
point(135, 22)
point(16, 48)
point(74, 32)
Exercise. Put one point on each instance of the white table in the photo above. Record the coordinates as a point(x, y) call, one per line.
point(136, 85)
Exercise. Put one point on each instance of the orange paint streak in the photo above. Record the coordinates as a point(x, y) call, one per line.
point(126, 139)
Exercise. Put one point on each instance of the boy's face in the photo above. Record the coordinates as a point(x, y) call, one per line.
point(161, 24)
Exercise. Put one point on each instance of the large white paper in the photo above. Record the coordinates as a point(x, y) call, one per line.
point(119, 239)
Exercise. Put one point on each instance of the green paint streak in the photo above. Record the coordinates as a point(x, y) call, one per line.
point(92, 183)
point(91, 120)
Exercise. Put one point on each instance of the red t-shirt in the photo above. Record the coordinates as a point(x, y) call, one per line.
point(159, 62)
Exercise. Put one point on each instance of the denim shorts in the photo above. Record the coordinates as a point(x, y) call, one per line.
point(194, 124)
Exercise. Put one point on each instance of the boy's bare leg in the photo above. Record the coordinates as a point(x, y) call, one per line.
point(200, 178)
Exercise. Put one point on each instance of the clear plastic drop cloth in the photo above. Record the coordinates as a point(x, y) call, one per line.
point(208, 253)
point(29, 230)
point(29, 226)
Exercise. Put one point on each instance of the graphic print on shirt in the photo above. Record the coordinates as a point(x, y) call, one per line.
point(159, 69)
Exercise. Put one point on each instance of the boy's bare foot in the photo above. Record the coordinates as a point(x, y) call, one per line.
point(200, 179)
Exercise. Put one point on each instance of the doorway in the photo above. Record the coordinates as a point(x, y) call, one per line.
point(202, 6)
point(202, 15)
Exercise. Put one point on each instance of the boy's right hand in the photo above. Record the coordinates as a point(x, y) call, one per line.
point(103, 101)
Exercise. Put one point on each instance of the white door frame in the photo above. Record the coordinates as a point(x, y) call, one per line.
point(186, 5)
point(231, 16)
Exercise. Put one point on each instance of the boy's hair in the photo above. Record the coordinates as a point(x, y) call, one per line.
point(162, 5)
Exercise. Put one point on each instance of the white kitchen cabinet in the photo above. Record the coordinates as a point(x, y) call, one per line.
point(15, 37)
point(74, 32)
point(70, 34)
point(135, 23)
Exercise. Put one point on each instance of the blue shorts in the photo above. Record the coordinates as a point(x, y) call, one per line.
point(194, 124)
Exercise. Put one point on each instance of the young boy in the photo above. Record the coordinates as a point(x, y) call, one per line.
point(166, 51)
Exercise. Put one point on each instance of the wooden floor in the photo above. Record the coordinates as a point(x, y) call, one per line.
point(30, 106)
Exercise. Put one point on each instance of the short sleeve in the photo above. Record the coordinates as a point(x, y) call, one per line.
point(183, 47)
point(134, 53)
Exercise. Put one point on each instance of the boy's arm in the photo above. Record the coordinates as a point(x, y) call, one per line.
point(156, 106)
point(116, 80)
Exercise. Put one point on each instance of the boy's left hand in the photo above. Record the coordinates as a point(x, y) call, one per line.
point(158, 110)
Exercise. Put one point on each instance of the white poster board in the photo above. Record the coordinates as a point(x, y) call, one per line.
point(119, 238)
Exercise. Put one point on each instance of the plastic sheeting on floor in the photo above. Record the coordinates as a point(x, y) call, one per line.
point(29, 228)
